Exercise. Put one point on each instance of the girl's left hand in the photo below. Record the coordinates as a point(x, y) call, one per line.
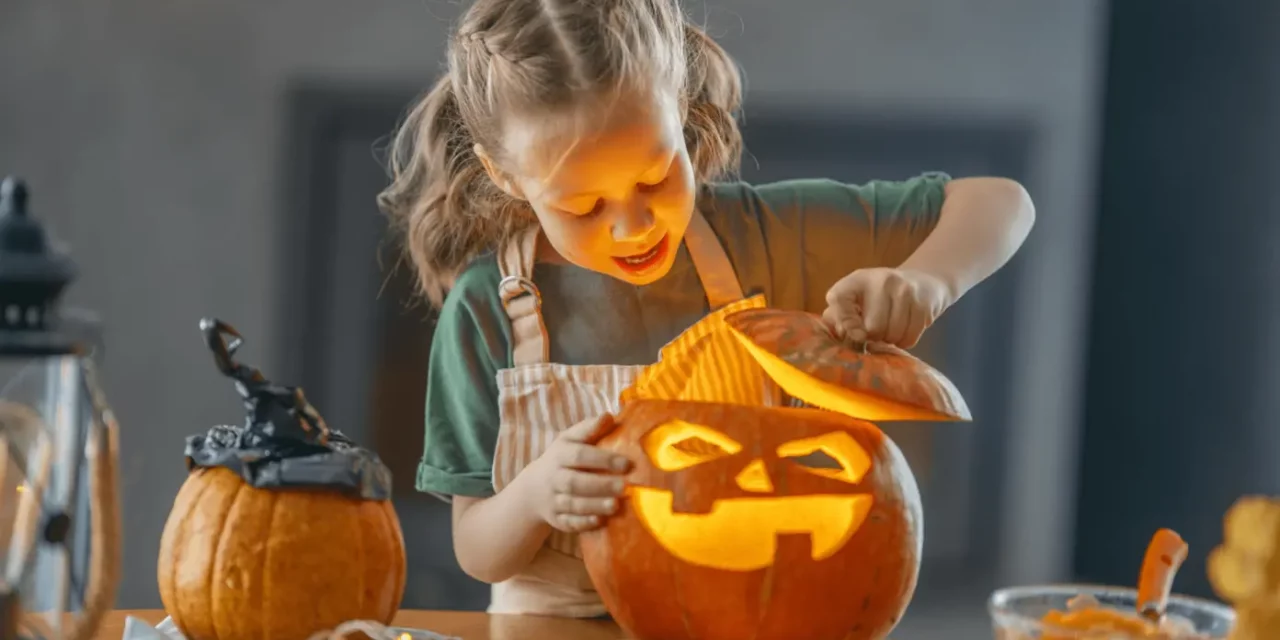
point(892, 306)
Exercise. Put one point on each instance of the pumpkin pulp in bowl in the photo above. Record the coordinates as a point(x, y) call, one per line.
point(1088, 612)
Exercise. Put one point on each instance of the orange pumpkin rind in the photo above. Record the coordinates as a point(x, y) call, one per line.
point(882, 384)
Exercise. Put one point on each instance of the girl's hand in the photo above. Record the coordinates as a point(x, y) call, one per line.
point(891, 306)
point(573, 485)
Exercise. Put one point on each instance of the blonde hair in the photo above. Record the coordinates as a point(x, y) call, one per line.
point(535, 55)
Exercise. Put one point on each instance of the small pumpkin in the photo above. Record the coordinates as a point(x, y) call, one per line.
point(749, 521)
point(283, 528)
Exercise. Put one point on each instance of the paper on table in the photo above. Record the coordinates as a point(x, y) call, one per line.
point(135, 629)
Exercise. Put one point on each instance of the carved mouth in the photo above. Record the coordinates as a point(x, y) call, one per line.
point(741, 534)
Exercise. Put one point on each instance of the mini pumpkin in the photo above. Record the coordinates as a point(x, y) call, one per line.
point(746, 521)
point(283, 528)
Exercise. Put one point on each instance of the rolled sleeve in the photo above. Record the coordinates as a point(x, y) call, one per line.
point(468, 348)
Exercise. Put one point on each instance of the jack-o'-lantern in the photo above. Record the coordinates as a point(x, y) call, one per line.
point(744, 521)
point(284, 528)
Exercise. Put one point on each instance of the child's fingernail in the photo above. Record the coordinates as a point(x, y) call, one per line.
point(620, 464)
point(610, 504)
point(617, 485)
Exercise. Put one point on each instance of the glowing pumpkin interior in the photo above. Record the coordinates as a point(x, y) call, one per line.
point(739, 529)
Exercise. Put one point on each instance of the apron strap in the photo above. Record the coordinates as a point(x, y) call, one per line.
point(522, 301)
point(711, 262)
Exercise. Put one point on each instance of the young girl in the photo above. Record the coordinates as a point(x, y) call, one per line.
point(559, 184)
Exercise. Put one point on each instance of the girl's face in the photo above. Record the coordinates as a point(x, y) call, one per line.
point(614, 196)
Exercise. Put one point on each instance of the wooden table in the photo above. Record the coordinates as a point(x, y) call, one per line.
point(467, 625)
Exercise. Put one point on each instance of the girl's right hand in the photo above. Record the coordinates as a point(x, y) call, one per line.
point(574, 485)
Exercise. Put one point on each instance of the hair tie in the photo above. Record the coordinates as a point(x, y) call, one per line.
point(478, 39)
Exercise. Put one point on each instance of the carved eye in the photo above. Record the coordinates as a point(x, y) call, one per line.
point(679, 445)
point(834, 455)
point(817, 460)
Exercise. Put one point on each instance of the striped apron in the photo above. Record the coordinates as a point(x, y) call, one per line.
point(537, 399)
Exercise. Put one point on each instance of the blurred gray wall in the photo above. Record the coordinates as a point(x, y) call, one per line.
point(150, 134)
point(1180, 418)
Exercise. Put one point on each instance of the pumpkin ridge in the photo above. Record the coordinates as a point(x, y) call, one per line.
point(181, 544)
point(266, 611)
point(392, 524)
point(220, 542)
point(361, 544)
point(684, 615)
point(170, 542)
point(379, 541)
point(766, 596)
point(402, 560)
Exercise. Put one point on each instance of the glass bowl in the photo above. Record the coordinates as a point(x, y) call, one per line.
point(1016, 613)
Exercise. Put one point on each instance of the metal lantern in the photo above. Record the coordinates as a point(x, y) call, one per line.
point(59, 510)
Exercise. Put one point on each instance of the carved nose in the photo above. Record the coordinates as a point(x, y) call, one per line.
point(755, 478)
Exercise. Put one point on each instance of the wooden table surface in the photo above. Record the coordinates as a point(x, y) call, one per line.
point(468, 625)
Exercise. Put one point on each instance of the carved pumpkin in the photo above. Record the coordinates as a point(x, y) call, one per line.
point(746, 521)
point(283, 527)
point(752, 522)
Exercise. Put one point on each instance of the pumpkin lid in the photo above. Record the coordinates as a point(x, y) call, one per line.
point(878, 383)
point(284, 443)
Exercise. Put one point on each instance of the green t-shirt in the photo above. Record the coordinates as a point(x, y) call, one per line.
point(789, 240)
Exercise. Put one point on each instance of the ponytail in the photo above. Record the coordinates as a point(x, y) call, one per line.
point(714, 97)
point(440, 199)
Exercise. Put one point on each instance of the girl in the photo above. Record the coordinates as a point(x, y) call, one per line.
point(559, 184)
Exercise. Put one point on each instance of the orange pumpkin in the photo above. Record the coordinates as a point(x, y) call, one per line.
point(749, 522)
point(242, 563)
point(745, 521)
point(283, 527)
